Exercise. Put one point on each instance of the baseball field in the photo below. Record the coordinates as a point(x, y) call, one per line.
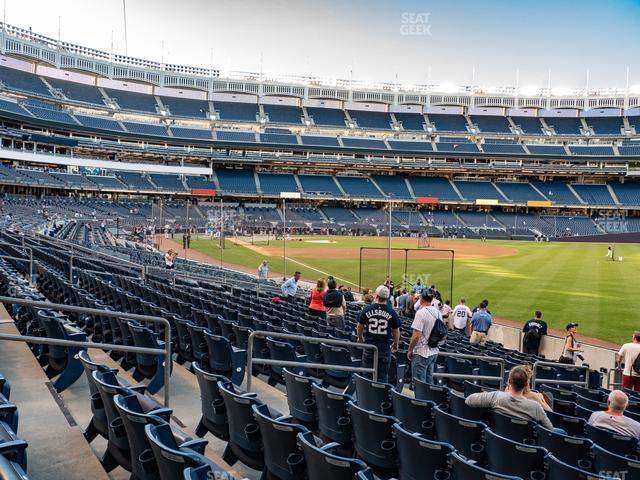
point(569, 282)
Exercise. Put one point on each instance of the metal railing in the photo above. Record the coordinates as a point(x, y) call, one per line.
point(463, 376)
point(320, 366)
point(166, 351)
point(554, 381)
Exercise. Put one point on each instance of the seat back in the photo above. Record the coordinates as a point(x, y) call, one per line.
point(463, 469)
point(574, 426)
point(415, 415)
point(212, 405)
point(302, 404)
point(612, 441)
point(512, 458)
point(420, 458)
point(437, 394)
point(573, 450)
point(606, 463)
point(282, 456)
point(244, 431)
point(171, 459)
point(323, 463)
point(220, 354)
point(459, 408)
point(334, 421)
point(372, 396)
point(144, 337)
point(464, 435)
point(373, 437)
point(516, 429)
point(559, 470)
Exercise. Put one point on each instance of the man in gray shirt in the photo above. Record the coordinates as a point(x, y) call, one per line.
point(613, 419)
point(512, 402)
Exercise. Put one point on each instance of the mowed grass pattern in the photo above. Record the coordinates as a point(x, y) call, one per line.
point(569, 282)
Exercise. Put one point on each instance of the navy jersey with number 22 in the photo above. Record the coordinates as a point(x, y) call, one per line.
point(379, 320)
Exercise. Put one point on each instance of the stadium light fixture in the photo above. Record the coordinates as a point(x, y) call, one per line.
point(634, 89)
point(447, 88)
point(561, 91)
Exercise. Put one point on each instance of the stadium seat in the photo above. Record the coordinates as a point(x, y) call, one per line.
point(607, 463)
point(464, 469)
point(464, 435)
point(612, 441)
point(214, 417)
point(12, 447)
point(300, 398)
point(286, 352)
point(573, 450)
point(245, 440)
point(63, 365)
point(148, 366)
point(323, 463)
point(134, 418)
point(420, 458)
point(459, 408)
point(334, 422)
point(173, 457)
point(10, 470)
point(516, 429)
point(98, 424)
point(415, 415)
point(373, 439)
point(282, 456)
point(338, 356)
point(512, 458)
point(372, 396)
point(224, 359)
point(118, 451)
point(559, 470)
point(437, 394)
point(573, 426)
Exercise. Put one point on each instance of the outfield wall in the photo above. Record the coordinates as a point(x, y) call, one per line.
point(632, 237)
point(551, 346)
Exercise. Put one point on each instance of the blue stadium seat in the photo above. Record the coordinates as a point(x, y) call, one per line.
point(186, 107)
point(371, 120)
point(410, 121)
point(613, 441)
point(608, 463)
point(415, 415)
point(464, 469)
point(573, 450)
point(564, 125)
point(420, 458)
point(282, 457)
point(465, 435)
point(285, 114)
point(237, 111)
point(373, 439)
point(302, 404)
point(323, 463)
point(334, 422)
point(224, 359)
point(508, 457)
point(491, 123)
point(559, 470)
point(448, 122)
point(328, 117)
point(129, 100)
point(79, 92)
point(214, 417)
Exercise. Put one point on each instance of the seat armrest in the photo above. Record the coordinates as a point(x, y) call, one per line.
point(195, 445)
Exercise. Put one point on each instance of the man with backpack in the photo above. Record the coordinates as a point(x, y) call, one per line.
point(533, 331)
point(629, 354)
point(429, 332)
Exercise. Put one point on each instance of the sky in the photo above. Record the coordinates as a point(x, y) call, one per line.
point(489, 43)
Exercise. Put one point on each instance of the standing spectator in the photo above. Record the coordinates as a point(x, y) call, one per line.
point(403, 299)
point(512, 402)
point(335, 305)
point(446, 311)
point(486, 303)
point(417, 288)
point(170, 259)
point(290, 287)
point(316, 303)
point(378, 325)
point(629, 354)
point(348, 295)
point(367, 297)
point(423, 358)
point(480, 324)
point(614, 419)
point(572, 348)
point(263, 270)
point(435, 293)
point(533, 331)
point(461, 316)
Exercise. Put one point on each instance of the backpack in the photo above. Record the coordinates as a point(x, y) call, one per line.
point(438, 334)
point(532, 337)
point(636, 365)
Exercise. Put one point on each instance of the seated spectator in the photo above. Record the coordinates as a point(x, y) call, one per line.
point(544, 399)
point(613, 419)
point(513, 401)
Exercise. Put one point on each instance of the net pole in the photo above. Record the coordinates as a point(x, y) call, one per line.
point(389, 245)
point(284, 235)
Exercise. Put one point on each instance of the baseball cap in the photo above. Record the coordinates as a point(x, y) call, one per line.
point(571, 325)
point(382, 292)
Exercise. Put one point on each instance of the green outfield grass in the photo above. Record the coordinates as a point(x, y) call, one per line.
point(567, 281)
